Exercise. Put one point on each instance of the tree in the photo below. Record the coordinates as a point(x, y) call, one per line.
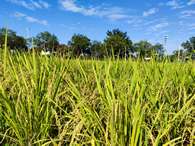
point(177, 54)
point(2, 40)
point(119, 41)
point(189, 46)
point(62, 49)
point(79, 45)
point(13, 41)
point(158, 50)
point(46, 40)
point(143, 48)
point(96, 48)
point(20, 42)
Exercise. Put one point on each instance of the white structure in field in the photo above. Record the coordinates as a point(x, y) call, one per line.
point(147, 59)
point(45, 53)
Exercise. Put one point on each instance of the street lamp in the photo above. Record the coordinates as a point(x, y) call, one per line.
point(165, 37)
point(28, 37)
point(179, 53)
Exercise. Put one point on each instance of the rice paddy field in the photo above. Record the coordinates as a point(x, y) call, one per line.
point(61, 101)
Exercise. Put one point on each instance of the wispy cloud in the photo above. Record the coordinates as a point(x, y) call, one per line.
point(36, 4)
point(28, 18)
point(175, 4)
point(162, 32)
point(112, 13)
point(69, 5)
point(181, 23)
point(45, 4)
point(192, 33)
point(67, 27)
point(22, 3)
point(151, 11)
point(192, 24)
point(149, 22)
point(117, 16)
point(191, 28)
point(135, 22)
point(31, 5)
point(187, 13)
point(130, 21)
point(161, 4)
point(191, 2)
point(157, 26)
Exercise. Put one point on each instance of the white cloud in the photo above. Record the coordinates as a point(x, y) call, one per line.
point(149, 22)
point(157, 26)
point(162, 32)
point(192, 24)
point(191, 2)
point(130, 21)
point(22, 3)
point(134, 21)
point(186, 24)
point(181, 23)
point(191, 28)
point(45, 4)
point(36, 4)
point(185, 16)
point(69, 5)
point(147, 33)
point(112, 13)
point(151, 11)
point(67, 27)
point(187, 13)
point(192, 33)
point(28, 18)
point(161, 4)
point(117, 16)
point(31, 5)
point(175, 4)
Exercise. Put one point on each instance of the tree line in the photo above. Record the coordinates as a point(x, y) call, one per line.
point(116, 42)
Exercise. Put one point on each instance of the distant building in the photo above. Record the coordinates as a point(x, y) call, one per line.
point(45, 53)
point(147, 59)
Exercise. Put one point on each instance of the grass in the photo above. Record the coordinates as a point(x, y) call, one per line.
point(58, 101)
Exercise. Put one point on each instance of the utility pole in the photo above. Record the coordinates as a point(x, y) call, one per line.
point(179, 53)
point(28, 38)
point(165, 37)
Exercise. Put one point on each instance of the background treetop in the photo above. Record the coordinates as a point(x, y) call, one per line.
point(119, 42)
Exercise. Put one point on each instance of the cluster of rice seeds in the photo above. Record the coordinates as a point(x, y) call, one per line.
point(58, 101)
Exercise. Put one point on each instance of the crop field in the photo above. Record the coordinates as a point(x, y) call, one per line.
point(62, 101)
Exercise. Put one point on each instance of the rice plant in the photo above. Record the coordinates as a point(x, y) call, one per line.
point(61, 101)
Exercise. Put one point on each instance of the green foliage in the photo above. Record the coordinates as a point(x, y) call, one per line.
point(158, 49)
point(79, 45)
point(179, 54)
point(57, 101)
point(62, 49)
point(96, 48)
point(189, 46)
point(143, 48)
point(13, 41)
point(118, 41)
point(46, 40)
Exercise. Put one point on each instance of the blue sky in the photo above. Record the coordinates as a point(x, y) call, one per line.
point(142, 19)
